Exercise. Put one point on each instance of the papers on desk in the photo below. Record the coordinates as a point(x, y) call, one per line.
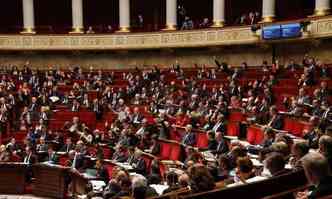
point(88, 176)
point(231, 137)
point(177, 171)
point(313, 150)
point(159, 188)
point(253, 156)
point(124, 165)
point(256, 163)
point(244, 143)
point(209, 156)
point(250, 180)
point(97, 185)
point(288, 166)
point(256, 179)
point(54, 99)
point(49, 163)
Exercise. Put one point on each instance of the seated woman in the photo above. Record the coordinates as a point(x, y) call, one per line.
point(200, 178)
point(275, 163)
point(245, 172)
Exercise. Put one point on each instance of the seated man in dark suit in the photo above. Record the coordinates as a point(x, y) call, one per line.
point(29, 156)
point(102, 172)
point(276, 121)
point(120, 154)
point(190, 137)
point(222, 146)
point(75, 160)
point(138, 163)
point(318, 174)
point(219, 126)
point(68, 146)
point(42, 146)
point(155, 146)
point(212, 142)
point(51, 157)
point(275, 163)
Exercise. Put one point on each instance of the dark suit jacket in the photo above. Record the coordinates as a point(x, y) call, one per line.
point(139, 166)
point(189, 139)
point(102, 173)
point(212, 145)
point(222, 147)
point(323, 189)
point(155, 150)
point(54, 158)
point(119, 157)
point(66, 148)
point(33, 159)
point(278, 123)
point(220, 128)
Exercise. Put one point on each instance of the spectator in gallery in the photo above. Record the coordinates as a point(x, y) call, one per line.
point(109, 29)
point(205, 23)
point(140, 21)
point(90, 30)
point(241, 20)
point(187, 24)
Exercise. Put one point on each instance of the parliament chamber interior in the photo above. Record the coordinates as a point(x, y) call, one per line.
point(166, 99)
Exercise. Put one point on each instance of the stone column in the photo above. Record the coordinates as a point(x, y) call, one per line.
point(28, 17)
point(322, 7)
point(171, 14)
point(124, 11)
point(218, 13)
point(77, 16)
point(268, 13)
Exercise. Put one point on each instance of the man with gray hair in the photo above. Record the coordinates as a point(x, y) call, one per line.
point(325, 148)
point(189, 138)
point(317, 171)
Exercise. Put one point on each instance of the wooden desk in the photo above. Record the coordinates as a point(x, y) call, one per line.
point(12, 178)
point(50, 180)
point(79, 182)
point(256, 190)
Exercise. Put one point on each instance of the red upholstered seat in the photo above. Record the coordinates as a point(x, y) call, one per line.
point(148, 161)
point(15, 158)
point(288, 124)
point(175, 152)
point(100, 126)
point(298, 128)
point(236, 117)
point(255, 135)
point(20, 136)
point(165, 150)
point(251, 135)
point(202, 140)
point(259, 136)
point(109, 168)
point(162, 169)
point(107, 152)
point(175, 135)
point(63, 160)
point(295, 126)
point(233, 129)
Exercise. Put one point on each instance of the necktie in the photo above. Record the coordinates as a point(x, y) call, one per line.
point(74, 161)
